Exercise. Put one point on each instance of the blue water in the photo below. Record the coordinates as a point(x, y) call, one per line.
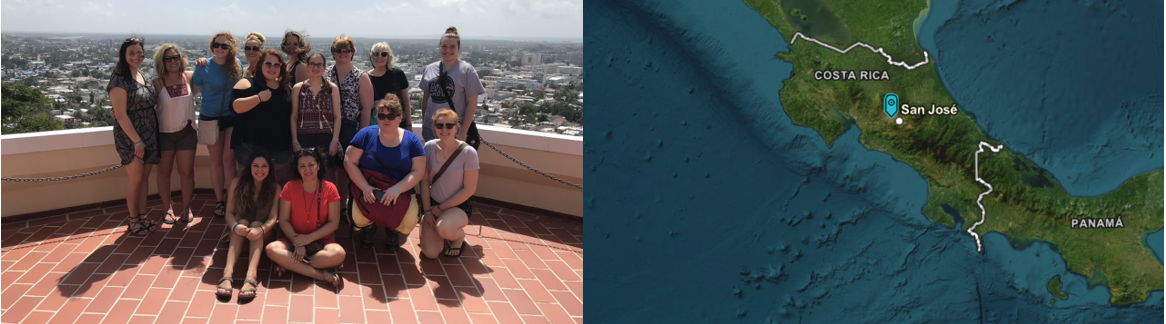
point(711, 206)
point(1154, 241)
point(1075, 86)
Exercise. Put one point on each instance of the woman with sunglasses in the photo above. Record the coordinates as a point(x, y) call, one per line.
point(214, 80)
point(315, 110)
point(136, 133)
point(252, 47)
point(387, 79)
point(262, 102)
point(309, 212)
point(177, 137)
point(450, 181)
point(356, 95)
point(450, 79)
point(295, 45)
point(390, 154)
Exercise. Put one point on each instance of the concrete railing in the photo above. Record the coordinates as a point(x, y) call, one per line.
point(59, 153)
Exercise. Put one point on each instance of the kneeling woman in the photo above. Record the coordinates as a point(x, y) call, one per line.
point(309, 211)
point(251, 211)
point(450, 181)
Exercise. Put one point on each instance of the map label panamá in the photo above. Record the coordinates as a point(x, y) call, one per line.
point(909, 110)
point(875, 75)
point(1096, 223)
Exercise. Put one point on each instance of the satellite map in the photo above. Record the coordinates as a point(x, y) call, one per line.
point(904, 161)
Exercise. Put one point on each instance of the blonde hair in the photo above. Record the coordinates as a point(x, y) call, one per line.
point(256, 36)
point(446, 112)
point(160, 54)
point(233, 69)
point(383, 46)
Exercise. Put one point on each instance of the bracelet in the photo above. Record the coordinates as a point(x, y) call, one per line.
point(297, 144)
point(395, 188)
point(427, 212)
point(138, 143)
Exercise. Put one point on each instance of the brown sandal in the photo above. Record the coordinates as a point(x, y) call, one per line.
point(229, 290)
point(249, 293)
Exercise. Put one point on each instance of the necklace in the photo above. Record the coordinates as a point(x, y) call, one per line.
point(308, 203)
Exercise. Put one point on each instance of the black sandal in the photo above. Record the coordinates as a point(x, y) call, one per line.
point(187, 217)
point(230, 289)
point(279, 271)
point(137, 227)
point(169, 219)
point(220, 209)
point(367, 235)
point(249, 293)
point(456, 250)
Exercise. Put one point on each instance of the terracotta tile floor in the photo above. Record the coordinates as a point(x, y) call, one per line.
point(83, 268)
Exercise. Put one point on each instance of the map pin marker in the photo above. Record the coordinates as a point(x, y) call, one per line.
point(891, 105)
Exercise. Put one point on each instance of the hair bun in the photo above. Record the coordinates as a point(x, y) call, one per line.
point(451, 30)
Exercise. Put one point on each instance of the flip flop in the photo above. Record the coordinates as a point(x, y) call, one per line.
point(169, 219)
point(457, 250)
point(184, 219)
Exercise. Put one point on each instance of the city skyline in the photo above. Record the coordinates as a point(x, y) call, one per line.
point(521, 20)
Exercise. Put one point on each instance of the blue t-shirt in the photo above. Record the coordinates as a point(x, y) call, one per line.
point(399, 159)
point(213, 80)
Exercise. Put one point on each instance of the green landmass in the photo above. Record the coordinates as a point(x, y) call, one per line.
point(1055, 288)
point(798, 13)
point(1027, 204)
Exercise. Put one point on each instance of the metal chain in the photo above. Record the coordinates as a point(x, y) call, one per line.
point(531, 168)
point(75, 176)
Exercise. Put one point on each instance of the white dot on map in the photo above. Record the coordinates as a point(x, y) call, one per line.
point(899, 121)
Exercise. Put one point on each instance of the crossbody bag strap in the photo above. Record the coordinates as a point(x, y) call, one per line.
point(441, 83)
point(452, 157)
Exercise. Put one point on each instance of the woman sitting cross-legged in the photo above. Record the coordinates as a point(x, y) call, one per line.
point(451, 178)
point(309, 211)
point(252, 213)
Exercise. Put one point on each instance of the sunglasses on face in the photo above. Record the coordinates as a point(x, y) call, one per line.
point(343, 51)
point(251, 48)
point(381, 54)
point(170, 58)
point(387, 116)
point(220, 45)
point(444, 126)
point(315, 65)
point(273, 65)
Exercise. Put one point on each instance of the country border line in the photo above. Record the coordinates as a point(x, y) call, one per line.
point(926, 57)
point(983, 213)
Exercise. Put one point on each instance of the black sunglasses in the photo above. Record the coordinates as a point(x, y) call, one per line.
point(252, 48)
point(220, 45)
point(170, 58)
point(446, 125)
point(342, 51)
point(274, 65)
point(387, 116)
point(382, 54)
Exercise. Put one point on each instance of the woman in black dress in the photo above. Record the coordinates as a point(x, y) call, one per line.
point(136, 134)
point(388, 79)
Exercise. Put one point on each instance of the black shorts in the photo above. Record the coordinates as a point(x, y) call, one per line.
point(467, 206)
point(321, 142)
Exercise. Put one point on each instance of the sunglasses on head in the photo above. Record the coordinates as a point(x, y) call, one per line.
point(381, 54)
point(444, 126)
point(170, 58)
point(387, 116)
point(252, 48)
point(220, 45)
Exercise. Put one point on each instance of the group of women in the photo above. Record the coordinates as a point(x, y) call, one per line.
point(303, 134)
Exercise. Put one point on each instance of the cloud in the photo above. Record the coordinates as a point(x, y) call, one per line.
point(446, 3)
point(388, 7)
point(232, 13)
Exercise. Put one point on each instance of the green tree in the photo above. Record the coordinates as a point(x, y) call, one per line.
point(25, 109)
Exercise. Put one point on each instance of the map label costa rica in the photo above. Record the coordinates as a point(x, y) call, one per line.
point(909, 110)
point(851, 75)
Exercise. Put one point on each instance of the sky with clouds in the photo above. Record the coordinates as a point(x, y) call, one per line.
point(388, 19)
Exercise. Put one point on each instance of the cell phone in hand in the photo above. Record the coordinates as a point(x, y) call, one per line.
point(378, 194)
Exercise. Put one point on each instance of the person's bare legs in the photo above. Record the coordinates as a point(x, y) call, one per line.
point(134, 173)
point(282, 254)
point(255, 251)
point(229, 170)
point(185, 161)
point(216, 155)
point(232, 255)
point(164, 169)
point(144, 188)
point(448, 227)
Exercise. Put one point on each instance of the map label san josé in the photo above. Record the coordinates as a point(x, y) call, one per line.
point(935, 110)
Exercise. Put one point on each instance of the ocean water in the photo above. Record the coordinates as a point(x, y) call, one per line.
point(711, 206)
point(1075, 86)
